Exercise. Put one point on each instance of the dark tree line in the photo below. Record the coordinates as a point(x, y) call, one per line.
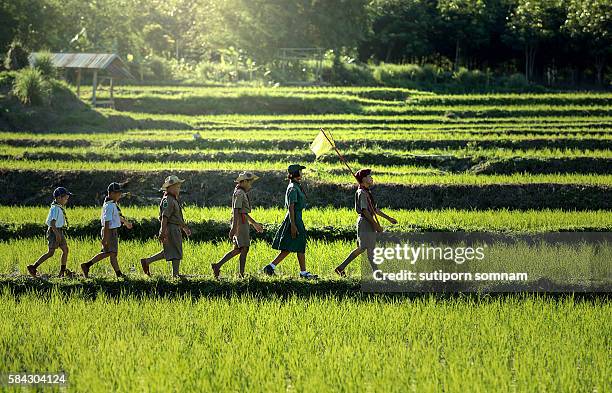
point(547, 40)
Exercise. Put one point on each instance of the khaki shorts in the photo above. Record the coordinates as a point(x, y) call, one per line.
point(242, 238)
point(113, 241)
point(173, 248)
point(366, 236)
point(53, 241)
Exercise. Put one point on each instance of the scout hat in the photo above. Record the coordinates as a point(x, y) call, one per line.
point(295, 168)
point(246, 176)
point(60, 191)
point(170, 181)
point(114, 187)
point(362, 173)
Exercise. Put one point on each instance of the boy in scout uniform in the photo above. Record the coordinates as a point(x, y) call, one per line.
point(241, 221)
point(367, 222)
point(172, 223)
point(56, 220)
point(111, 220)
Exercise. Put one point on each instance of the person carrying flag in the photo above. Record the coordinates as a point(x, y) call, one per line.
point(367, 221)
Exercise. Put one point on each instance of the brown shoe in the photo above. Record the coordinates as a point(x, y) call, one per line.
point(145, 267)
point(32, 270)
point(339, 272)
point(216, 270)
point(65, 273)
point(85, 269)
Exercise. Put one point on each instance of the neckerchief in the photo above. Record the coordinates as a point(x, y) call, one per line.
point(63, 212)
point(108, 199)
point(371, 202)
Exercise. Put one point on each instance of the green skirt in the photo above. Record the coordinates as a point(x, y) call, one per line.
point(283, 240)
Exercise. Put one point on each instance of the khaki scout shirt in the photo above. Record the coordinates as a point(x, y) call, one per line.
point(171, 208)
point(361, 201)
point(240, 201)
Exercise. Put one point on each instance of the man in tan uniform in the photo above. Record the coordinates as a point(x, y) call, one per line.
point(241, 221)
point(172, 223)
point(367, 222)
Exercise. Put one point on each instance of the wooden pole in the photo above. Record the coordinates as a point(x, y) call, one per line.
point(342, 159)
point(112, 97)
point(95, 84)
point(78, 81)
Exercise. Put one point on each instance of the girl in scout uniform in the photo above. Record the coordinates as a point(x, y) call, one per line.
point(111, 219)
point(291, 236)
point(241, 221)
point(172, 223)
point(367, 222)
point(56, 220)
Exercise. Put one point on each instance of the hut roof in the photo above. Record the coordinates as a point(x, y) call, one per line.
point(109, 62)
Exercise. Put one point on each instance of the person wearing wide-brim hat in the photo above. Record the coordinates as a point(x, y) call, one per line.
point(367, 223)
point(241, 221)
point(172, 226)
point(291, 236)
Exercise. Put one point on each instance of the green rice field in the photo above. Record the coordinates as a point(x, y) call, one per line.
point(494, 163)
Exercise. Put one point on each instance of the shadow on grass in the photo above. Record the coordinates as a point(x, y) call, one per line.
point(253, 287)
point(245, 104)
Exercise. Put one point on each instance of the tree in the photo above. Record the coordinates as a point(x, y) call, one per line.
point(465, 20)
point(591, 20)
point(530, 23)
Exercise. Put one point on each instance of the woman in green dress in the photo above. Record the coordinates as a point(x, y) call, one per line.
point(291, 236)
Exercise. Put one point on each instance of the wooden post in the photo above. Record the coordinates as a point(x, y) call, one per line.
point(112, 99)
point(95, 84)
point(78, 81)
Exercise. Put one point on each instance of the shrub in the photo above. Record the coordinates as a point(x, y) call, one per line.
point(516, 81)
point(16, 57)
point(398, 75)
point(159, 67)
point(470, 80)
point(44, 63)
point(31, 88)
point(6, 79)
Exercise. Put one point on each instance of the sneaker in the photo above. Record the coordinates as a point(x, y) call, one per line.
point(145, 267)
point(32, 270)
point(309, 276)
point(85, 268)
point(269, 270)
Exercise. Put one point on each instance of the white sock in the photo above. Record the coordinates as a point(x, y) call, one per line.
point(273, 265)
point(303, 272)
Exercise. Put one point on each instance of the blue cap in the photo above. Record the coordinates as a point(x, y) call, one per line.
point(60, 191)
point(114, 187)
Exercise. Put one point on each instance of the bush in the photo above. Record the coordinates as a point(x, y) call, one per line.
point(44, 63)
point(159, 67)
point(516, 81)
point(398, 75)
point(16, 57)
point(470, 80)
point(6, 79)
point(31, 88)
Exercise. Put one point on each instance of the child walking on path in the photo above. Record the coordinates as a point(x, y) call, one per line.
point(111, 219)
point(241, 221)
point(367, 224)
point(56, 221)
point(291, 236)
point(172, 225)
